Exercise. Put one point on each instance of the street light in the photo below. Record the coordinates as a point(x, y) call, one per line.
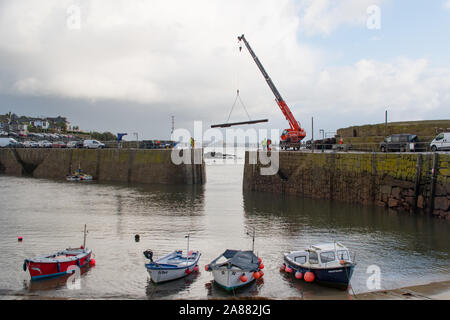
point(137, 140)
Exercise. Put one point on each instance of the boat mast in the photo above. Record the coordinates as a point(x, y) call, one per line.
point(84, 241)
point(187, 252)
point(253, 239)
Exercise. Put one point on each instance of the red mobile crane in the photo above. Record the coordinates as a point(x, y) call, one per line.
point(292, 137)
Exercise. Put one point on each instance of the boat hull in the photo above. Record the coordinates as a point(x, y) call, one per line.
point(163, 272)
point(164, 275)
point(338, 277)
point(229, 279)
point(39, 269)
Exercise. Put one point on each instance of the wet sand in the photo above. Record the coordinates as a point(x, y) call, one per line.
point(431, 291)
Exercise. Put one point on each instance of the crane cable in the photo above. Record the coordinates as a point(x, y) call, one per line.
point(237, 92)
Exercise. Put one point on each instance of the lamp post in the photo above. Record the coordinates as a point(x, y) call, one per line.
point(137, 140)
point(323, 138)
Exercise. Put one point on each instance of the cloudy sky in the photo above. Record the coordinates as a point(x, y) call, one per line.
point(129, 65)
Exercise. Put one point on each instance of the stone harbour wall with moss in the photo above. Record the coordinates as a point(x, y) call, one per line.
point(414, 182)
point(108, 165)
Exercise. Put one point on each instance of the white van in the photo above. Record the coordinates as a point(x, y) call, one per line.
point(7, 142)
point(441, 142)
point(93, 144)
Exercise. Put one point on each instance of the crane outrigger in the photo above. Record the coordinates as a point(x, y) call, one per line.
point(292, 137)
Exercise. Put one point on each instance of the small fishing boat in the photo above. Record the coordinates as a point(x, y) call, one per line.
point(172, 266)
point(79, 175)
point(329, 264)
point(235, 268)
point(59, 263)
point(85, 177)
point(72, 178)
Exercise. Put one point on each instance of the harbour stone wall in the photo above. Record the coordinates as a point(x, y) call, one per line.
point(108, 165)
point(418, 183)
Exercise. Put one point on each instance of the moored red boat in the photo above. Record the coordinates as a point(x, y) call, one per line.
point(58, 263)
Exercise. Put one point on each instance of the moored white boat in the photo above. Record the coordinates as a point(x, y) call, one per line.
point(172, 266)
point(235, 268)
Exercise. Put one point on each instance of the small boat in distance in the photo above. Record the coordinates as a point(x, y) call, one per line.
point(328, 263)
point(172, 266)
point(79, 176)
point(59, 263)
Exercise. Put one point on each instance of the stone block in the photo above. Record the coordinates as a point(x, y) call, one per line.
point(393, 203)
point(420, 202)
point(441, 203)
point(396, 192)
point(410, 201)
point(385, 189)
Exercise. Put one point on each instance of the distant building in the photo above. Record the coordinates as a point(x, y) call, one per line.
point(59, 123)
point(12, 122)
point(39, 123)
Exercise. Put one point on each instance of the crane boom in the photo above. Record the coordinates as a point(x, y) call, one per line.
point(281, 103)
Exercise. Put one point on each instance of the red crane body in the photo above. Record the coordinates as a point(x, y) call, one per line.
point(293, 136)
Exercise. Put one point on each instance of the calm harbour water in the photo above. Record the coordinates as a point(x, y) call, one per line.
point(50, 215)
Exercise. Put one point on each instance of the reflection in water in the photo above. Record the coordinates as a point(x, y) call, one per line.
point(171, 288)
point(405, 246)
point(51, 283)
point(409, 249)
point(253, 289)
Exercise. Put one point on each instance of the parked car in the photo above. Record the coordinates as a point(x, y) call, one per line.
point(58, 144)
point(30, 144)
point(9, 142)
point(93, 144)
point(75, 144)
point(441, 142)
point(44, 144)
point(401, 143)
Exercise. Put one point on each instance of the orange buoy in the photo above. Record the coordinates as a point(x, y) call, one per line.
point(259, 260)
point(243, 278)
point(19, 238)
point(188, 271)
point(298, 275)
point(261, 266)
point(309, 276)
point(282, 267)
point(256, 275)
point(92, 262)
point(207, 267)
point(288, 269)
point(196, 268)
point(261, 273)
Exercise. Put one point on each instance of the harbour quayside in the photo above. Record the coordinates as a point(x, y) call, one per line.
point(328, 264)
point(59, 263)
point(172, 266)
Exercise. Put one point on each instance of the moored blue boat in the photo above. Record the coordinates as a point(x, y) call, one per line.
point(328, 264)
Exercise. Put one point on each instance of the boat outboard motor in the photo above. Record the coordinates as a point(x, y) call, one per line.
point(149, 254)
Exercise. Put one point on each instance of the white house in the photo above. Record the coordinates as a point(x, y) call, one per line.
point(39, 123)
